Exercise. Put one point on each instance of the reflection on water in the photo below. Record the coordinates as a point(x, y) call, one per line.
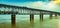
point(23, 21)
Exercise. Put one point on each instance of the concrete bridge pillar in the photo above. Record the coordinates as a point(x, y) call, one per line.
point(31, 18)
point(55, 16)
point(51, 15)
point(13, 18)
point(41, 17)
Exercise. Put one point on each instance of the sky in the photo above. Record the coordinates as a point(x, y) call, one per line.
point(52, 5)
point(23, 0)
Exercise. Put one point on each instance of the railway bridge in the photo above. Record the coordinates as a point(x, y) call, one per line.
point(13, 10)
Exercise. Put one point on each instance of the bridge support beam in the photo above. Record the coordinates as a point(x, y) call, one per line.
point(31, 18)
point(13, 18)
point(51, 15)
point(41, 17)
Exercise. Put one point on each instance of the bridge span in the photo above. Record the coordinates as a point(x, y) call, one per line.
point(13, 10)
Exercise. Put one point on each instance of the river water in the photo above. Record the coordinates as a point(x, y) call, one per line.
point(23, 21)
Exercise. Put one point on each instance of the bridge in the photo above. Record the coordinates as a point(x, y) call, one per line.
point(13, 10)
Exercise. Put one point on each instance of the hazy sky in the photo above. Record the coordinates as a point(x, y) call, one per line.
point(23, 0)
point(39, 4)
point(27, 3)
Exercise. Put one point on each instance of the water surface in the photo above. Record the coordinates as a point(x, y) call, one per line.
point(23, 21)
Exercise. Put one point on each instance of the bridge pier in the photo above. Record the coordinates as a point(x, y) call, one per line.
point(31, 18)
point(55, 16)
point(13, 18)
point(51, 15)
point(41, 17)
